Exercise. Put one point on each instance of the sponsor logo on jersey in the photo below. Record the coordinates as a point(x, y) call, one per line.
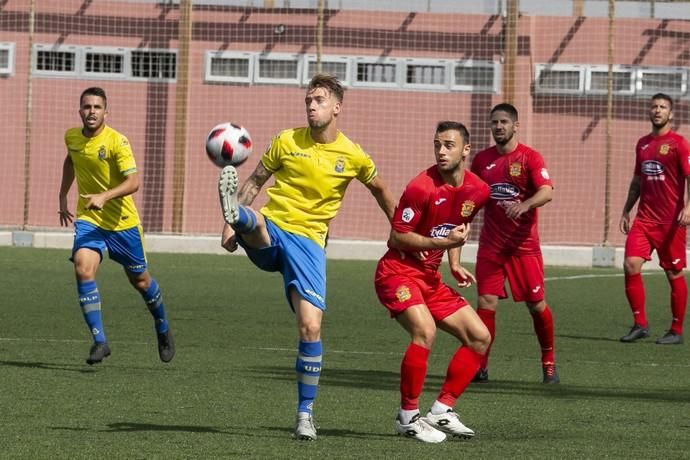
point(439, 201)
point(299, 154)
point(515, 169)
point(467, 208)
point(441, 231)
point(101, 152)
point(403, 293)
point(407, 215)
point(491, 166)
point(545, 173)
point(504, 191)
point(663, 150)
point(652, 168)
point(340, 164)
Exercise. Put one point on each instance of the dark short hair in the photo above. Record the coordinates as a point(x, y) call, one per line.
point(448, 125)
point(507, 108)
point(329, 82)
point(665, 97)
point(94, 91)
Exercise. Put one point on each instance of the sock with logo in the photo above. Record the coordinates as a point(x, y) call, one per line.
point(308, 368)
point(462, 368)
point(543, 327)
point(246, 222)
point(154, 302)
point(679, 302)
point(412, 374)
point(488, 317)
point(90, 303)
point(634, 291)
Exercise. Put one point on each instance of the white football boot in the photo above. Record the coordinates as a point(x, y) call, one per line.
point(449, 423)
point(227, 191)
point(420, 430)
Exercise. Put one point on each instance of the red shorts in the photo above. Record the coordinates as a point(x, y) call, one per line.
point(667, 240)
point(398, 292)
point(525, 275)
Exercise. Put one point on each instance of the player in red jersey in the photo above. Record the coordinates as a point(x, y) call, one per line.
point(509, 240)
point(660, 179)
point(433, 216)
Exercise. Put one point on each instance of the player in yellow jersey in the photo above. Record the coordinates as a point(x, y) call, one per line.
point(312, 167)
point(101, 159)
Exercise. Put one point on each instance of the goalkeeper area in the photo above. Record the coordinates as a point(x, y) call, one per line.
point(230, 391)
point(580, 73)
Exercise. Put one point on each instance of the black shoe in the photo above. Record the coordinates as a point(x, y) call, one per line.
point(550, 374)
point(166, 346)
point(636, 332)
point(671, 338)
point(482, 376)
point(97, 353)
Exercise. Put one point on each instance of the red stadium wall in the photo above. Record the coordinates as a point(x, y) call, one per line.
point(396, 127)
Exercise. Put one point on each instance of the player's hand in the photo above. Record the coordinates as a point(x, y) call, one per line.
point(624, 224)
point(66, 217)
point(464, 277)
point(515, 210)
point(228, 239)
point(684, 217)
point(420, 255)
point(459, 234)
point(94, 201)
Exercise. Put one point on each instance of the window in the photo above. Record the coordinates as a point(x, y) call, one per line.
point(623, 80)
point(559, 79)
point(228, 66)
point(278, 68)
point(56, 61)
point(478, 76)
point(429, 74)
point(153, 64)
point(6, 58)
point(334, 65)
point(376, 72)
point(672, 81)
point(104, 62)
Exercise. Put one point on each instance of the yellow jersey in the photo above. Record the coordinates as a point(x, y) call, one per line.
point(310, 180)
point(101, 163)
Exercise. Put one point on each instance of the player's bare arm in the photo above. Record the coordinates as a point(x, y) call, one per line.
point(252, 186)
point(543, 195)
point(684, 216)
point(66, 183)
point(412, 241)
point(383, 196)
point(464, 277)
point(633, 196)
point(128, 186)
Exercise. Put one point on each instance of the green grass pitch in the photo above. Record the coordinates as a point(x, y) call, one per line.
point(230, 391)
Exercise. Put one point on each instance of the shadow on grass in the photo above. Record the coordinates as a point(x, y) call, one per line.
point(49, 366)
point(389, 381)
point(131, 426)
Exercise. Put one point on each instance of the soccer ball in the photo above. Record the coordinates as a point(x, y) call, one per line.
point(228, 144)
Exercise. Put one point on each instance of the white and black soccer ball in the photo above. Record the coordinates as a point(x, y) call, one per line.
point(228, 144)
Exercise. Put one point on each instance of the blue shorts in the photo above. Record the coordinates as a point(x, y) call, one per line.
point(301, 261)
point(125, 247)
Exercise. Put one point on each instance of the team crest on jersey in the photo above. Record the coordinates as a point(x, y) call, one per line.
point(403, 293)
point(663, 150)
point(340, 164)
point(101, 152)
point(467, 208)
point(515, 169)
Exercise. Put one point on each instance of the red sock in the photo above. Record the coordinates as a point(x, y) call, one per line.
point(543, 326)
point(412, 375)
point(679, 302)
point(488, 317)
point(461, 370)
point(634, 291)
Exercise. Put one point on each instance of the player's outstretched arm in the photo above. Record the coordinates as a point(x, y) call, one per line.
point(128, 186)
point(383, 196)
point(65, 184)
point(252, 186)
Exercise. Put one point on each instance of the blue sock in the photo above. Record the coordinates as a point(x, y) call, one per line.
point(246, 221)
point(308, 367)
point(154, 302)
point(90, 303)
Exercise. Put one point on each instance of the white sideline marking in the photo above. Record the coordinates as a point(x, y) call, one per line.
point(607, 275)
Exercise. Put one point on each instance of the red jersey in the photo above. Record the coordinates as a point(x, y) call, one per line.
point(431, 207)
point(662, 162)
point(513, 177)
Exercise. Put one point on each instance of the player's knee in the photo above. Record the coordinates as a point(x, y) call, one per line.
point(424, 335)
point(481, 341)
point(310, 331)
point(632, 266)
point(487, 302)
